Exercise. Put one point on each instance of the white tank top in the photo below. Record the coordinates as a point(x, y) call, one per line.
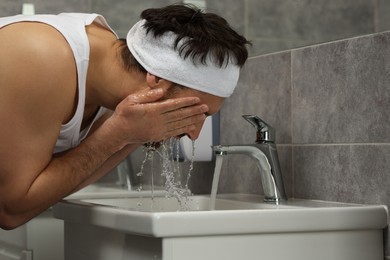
point(72, 27)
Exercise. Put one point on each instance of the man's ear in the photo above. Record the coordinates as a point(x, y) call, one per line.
point(156, 82)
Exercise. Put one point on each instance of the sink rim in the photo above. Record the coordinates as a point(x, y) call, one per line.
point(342, 216)
point(195, 200)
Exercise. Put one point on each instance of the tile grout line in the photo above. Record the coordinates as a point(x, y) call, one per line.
point(291, 122)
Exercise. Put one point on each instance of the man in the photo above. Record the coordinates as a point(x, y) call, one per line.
point(75, 100)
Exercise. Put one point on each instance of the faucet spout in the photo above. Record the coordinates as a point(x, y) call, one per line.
point(267, 163)
point(265, 153)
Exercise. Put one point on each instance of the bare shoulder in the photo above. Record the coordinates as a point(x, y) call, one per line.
point(37, 61)
point(37, 92)
point(35, 52)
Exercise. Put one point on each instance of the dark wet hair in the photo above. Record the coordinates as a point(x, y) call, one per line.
point(204, 34)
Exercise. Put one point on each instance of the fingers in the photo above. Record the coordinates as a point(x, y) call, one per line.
point(176, 103)
point(151, 97)
point(185, 125)
point(146, 96)
point(185, 112)
point(181, 115)
point(177, 122)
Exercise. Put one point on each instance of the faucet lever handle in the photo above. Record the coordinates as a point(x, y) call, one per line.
point(264, 132)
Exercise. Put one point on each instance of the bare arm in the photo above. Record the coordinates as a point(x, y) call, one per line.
point(107, 166)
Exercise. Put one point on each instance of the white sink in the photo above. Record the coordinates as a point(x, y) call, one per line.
point(163, 204)
point(242, 226)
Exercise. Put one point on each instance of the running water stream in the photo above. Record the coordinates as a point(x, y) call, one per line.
point(214, 188)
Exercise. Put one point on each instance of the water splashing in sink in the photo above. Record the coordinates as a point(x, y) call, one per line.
point(169, 155)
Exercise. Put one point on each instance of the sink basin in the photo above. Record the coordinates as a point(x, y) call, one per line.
point(163, 204)
point(241, 226)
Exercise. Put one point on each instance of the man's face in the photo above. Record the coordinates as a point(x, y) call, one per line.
point(213, 102)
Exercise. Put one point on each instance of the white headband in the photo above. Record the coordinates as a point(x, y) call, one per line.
point(158, 56)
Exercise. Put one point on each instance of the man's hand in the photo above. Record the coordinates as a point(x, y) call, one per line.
point(142, 117)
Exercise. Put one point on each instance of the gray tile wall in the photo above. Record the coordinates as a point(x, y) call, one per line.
point(330, 104)
point(13, 7)
point(120, 14)
point(271, 25)
point(264, 89)
point(275, 25)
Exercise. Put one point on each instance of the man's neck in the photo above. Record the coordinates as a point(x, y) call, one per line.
point(102, 61)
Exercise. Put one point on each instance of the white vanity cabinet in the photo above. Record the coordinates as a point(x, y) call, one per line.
point(39, 239)
point(85, 242)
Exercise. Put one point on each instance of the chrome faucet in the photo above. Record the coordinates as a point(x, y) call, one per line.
point(265, 153)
